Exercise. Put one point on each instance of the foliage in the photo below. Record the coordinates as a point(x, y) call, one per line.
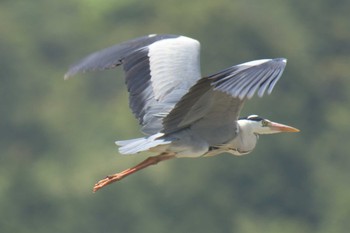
point(57, 136)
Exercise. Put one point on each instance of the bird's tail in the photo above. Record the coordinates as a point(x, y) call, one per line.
point(133, 146)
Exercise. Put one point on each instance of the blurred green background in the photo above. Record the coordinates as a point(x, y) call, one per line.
point(57, 136)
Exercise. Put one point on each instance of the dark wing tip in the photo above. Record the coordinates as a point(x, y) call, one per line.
point(100, 60)
point(73, 71)
point(111, 57)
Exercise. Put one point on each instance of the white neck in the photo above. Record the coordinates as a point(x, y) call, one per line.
point(246, 138)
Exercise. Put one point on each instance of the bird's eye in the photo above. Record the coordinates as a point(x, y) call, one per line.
point(264, 123)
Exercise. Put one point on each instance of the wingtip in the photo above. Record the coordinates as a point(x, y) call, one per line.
point(262, 61)
point(66, 76)
point(70, 73)
point(281, 59)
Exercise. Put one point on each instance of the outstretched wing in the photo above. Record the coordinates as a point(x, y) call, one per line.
point(159, 70)
point(212, 105)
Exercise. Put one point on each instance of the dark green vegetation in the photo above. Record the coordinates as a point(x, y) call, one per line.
point(57, 136)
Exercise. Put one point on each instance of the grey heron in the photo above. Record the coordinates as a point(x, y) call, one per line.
point(181, 113)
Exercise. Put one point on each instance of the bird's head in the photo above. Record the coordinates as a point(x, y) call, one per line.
point(260, 125)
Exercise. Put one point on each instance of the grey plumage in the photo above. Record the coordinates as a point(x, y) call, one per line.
point(182, 114)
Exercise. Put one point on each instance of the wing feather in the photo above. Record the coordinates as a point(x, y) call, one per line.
point(204, 105)
point(159, 70)
point(166, 92)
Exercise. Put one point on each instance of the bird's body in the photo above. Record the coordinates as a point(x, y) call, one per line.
point(182, 114)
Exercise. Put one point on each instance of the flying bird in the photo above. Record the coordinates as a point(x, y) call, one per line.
point(181, 113)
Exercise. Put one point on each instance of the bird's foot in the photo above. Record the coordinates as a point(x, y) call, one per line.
point(108, 180)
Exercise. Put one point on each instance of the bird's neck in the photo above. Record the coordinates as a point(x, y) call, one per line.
point(246, 139)
point(243, 143)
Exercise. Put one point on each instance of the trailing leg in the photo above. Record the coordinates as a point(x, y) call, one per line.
point(118, 176)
